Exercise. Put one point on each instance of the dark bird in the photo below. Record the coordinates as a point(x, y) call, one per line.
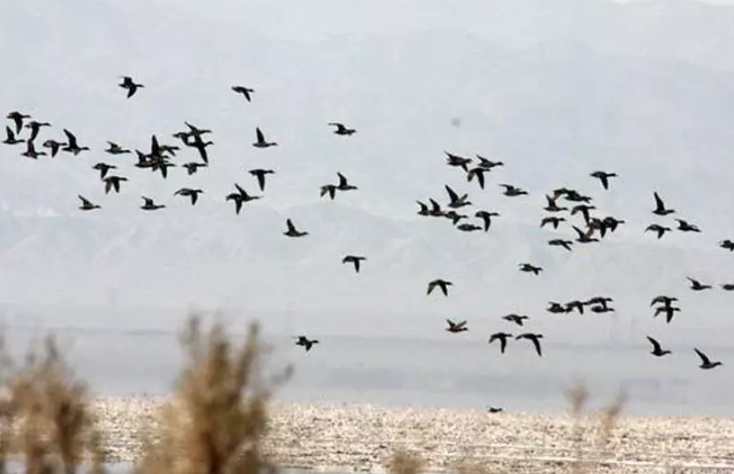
point(456, 327)
point(115, 149)
point(455, 216)
point(103, 169)
point(35, 128)
point(245, 91)
point(502, 337)
point(200, 146)
point(535, 338)
point(245, 196)
point(602, 309)
point(329, 189)
point(193, 167)
point(495, 410)
point(660, 209)
point(553, 205)
point(669, 312)
point(566, 244)
point(705, 361)
point(54, 146)
point(191, 193)
point(10, 137)
point(456, 160)
point(260, 175)
point(727, 245)
point(574, 196)
point(526, 267)
point(512, 191)
point(656, 349)
point(486, 218)
point(149, 205)
point(515, 318)
point(423, 211)
point(344, 184)
point(603, 176)
point(354, 259)
point(435, 210)
point(238, 200)
point(697, 286)
point(466, 227)
point(292, 231)
point(686, 227)
point(113, 182)
point(477, 172)
point(341, 129)
point(552, 220)
point(456, 202)
point(727, 286)
point(599, 300)
point(662, 299)
point(132, 87)
point(306, 343)
point(661, 230)
point(585, 237)
point(71, 144)
point(584, 210)
point(575, 304)
point(30, 151)
point(488, 164)
point(442, 284)
point(87, 204)
point(261, 142)
point(556, 308)
point(17, 119)
point(162, 165)
point(195, 131)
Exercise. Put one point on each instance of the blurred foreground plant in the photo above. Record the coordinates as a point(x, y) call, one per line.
point(217, 418)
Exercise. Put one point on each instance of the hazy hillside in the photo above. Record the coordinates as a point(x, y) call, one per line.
point(639, 89)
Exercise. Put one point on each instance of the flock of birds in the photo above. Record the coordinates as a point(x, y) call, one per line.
point(562, 205)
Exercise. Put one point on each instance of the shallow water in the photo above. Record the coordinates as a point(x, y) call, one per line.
point(452, 372)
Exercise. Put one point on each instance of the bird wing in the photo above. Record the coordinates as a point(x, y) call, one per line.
point(342, 179)
point(704, 357)
point(452, 195)
point(260, 136)
point(71, 138)
point(84, 200)
point(536, 343)
point(461, 324)
point(291, 227)
point(655, 344)
point(658, 202)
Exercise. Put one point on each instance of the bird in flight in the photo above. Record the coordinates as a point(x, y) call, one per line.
point(245, 91)
point(132, 87)
point(455, 327)
point(305, 342)
point(657, 351)
point(341, 129)
point(705, 361)
point(442, 284)
point(355, 260)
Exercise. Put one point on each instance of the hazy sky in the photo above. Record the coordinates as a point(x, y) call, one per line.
point(555, 96)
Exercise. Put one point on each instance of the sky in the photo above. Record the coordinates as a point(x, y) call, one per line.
point(555, 91)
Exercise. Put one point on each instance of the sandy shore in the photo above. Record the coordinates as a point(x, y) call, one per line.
point(361, 437)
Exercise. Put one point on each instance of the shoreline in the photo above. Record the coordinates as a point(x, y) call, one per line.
point(345, 437)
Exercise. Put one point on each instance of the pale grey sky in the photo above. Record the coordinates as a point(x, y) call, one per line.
point(555, 103)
